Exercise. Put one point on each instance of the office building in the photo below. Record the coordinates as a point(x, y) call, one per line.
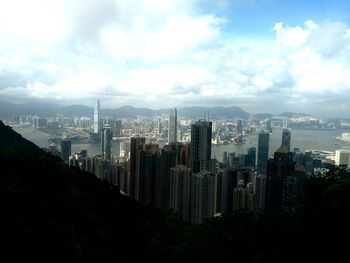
point(97, 118)
point(172, 129)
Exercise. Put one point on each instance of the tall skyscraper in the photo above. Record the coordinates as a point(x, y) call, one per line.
point(200, 149)
point(239, 134)
point(66, 149)
point(148, 160)
point(97, 118)
point(166, 161)
point(228, 183)
point(260, 191)
point(268, 126)
point(179, 194)
point(136, 144)
point(118, 128)
point(106, 143)
point(172, 130)
point(286, 139)
point(263, 152)
point(251, 157)
point(202, 196)
point(239, 196)
point(284, 180)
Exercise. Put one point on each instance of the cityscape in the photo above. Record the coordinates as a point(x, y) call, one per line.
point(174, 131)
point(167, 162)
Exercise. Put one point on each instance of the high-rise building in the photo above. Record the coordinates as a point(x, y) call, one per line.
point(166, 161)
point(160, 128)
point(66, 149)
point(172, 130)
point(286, 138)
point(239, 134)
point(136, 144)
point(263, 152)
point(97, 118)
point(342, 157)
point(179, 194)
point(228, 183)
point(268, 126)
point(106, 143)
point(239, 196)
point(251, 157)
point(118, 128)
point(202, 196)
point(147, 163)
point(284, 180)
point(260, 191)
point(200, 149)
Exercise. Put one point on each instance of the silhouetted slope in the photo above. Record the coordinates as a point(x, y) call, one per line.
point(50, 212)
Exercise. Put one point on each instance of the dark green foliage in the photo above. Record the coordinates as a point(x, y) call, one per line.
point(52, 213)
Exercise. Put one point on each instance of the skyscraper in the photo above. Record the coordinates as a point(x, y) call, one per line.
point(202, 196)
point(239, 134)
point(284, 180)
point(342, 157)
point(106, 143)
point(286, 138)
point(136, 144)
point(179, 194)
point(263, 152)
point(251, 157)
point(172, 130)
point(97, 118)
point(66, 149)
point(118, 128)
point(200, 149)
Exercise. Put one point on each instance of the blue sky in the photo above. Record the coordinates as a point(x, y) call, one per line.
point(261, 55)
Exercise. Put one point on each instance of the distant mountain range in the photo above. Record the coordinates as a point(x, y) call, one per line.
point(47, 110)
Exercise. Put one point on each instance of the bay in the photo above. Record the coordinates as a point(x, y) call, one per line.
point(300, 138)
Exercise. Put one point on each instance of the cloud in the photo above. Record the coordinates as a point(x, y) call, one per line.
point(160, 53)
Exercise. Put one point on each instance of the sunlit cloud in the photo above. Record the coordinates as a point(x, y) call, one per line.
point(156, 53)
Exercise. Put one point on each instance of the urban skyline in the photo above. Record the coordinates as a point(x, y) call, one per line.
point(147, 53)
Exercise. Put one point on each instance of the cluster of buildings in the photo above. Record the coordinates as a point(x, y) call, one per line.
point(183, 176)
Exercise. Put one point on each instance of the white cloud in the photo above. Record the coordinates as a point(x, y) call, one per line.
point(154, 53)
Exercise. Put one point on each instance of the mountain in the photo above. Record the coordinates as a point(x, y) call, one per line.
point(214, 112)
point(9, 109)
point(293, 114)
point(75, 110)
point(263, 115)
point(49, 110)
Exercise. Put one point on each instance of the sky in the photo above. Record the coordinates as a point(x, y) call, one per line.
point(261, 55)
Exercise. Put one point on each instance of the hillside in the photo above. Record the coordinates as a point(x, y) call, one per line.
point(50, 212)
point(49, 110)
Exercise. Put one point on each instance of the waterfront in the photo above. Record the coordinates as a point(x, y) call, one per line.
point(300, 138)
